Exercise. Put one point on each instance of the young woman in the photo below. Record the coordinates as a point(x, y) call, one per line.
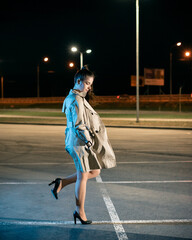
point(86, 141)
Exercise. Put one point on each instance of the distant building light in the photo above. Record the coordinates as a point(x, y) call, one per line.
point(51, 71)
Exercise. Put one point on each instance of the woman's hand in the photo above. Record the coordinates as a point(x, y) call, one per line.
point(89, 144)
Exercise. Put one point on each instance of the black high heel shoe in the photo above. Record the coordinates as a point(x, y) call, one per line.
point(57, 182)
point(76, 215)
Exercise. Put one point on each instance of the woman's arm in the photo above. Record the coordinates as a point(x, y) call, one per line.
point(79, 121)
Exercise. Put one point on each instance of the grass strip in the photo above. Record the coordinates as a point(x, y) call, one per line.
point(111, 122)
point(103, 115)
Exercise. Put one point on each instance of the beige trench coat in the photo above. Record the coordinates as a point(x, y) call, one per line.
point(83, 125)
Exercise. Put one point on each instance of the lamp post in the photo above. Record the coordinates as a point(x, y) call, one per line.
point(45, 59)
point(137, 60)
point(178, 44)
point(74, 49)
point(2, 87)
point(188, 56)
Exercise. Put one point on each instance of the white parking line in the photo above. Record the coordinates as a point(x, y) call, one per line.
point(163, 221)
point(154, 162)
point(132, 182)
point(36, 223)
point(112, 212)
point(107, 182)
point(37, 163)
point(71, 163)
point(52, 223)
point(20, 183)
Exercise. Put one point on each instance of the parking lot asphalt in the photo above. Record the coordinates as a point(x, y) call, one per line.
point(147, 196)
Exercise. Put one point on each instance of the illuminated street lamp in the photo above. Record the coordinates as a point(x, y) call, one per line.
point(74, 49)
point(88, 51)
point(45, 59)
point(71, 65)
point(178, 44)
point(187, 54)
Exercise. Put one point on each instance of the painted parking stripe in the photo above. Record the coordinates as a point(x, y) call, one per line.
point(107, 182)
point(36, 223)
point(133, 182)
point(112, 212)
point(71, 163)
point(154, 162)
point(52, 223)
point(163, 221)
point(36, 163)
point(22, 183)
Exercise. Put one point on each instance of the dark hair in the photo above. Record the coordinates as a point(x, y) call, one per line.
point(83, 73)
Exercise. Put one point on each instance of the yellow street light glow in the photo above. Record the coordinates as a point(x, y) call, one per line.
point(88, 51)
point(187, 53)
point(178, 44)
point(46, 59)
point(74, 49)
point(71, 64)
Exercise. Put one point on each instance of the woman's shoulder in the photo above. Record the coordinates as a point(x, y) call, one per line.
point(73, 98)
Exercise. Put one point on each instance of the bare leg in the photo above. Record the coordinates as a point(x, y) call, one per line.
point(94, 173)
point(80, 193)
point(80, 190)
point(69, 180)
point(73, 178)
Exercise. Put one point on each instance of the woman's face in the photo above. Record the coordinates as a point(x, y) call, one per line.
point(85, 86)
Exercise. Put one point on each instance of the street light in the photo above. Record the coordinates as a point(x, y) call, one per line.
point(178, 44)
point(74, 49)
point(187, 54)
point(71, 65)
point(45, 59)
point(88, 51)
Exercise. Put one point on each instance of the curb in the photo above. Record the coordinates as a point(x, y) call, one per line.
point(108, 126)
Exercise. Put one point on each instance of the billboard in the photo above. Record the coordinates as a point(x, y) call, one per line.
point(133, 81)
point(153, 77)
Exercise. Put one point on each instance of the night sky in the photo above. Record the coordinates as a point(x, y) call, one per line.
point(30, 30)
